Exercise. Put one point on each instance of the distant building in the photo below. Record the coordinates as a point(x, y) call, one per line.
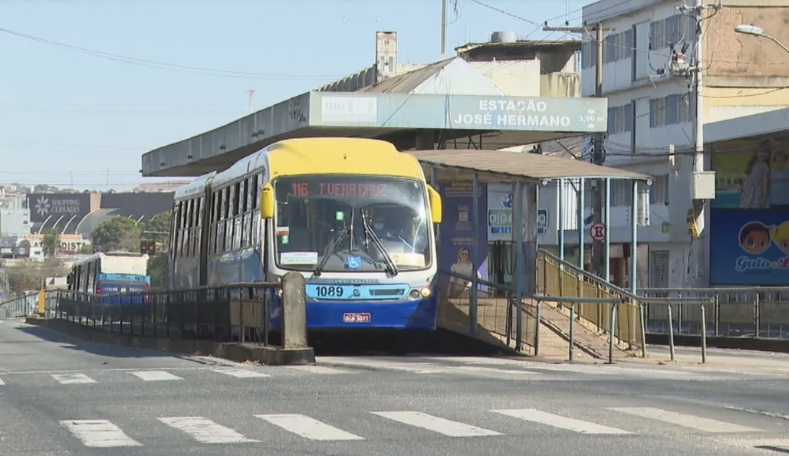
point(81, 213)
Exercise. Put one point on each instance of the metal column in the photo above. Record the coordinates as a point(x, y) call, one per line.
point(520, 255)
point(634, 239)
point(475, 250)
point(561, 219)
point(607, 252)
point(581, 204)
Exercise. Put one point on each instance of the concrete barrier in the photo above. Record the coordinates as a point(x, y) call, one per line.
point(739, 343)
point(294, 317)
point(272, 356)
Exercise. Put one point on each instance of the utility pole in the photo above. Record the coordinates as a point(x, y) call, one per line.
point(598, 157)
point(443, 29)
point(697, 249)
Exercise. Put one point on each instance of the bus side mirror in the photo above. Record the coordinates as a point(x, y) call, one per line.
point(267, 202)
point(435, 204)
point(68, 279)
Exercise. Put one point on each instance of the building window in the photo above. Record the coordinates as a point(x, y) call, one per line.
point(620, 119)
point(670, 110)
point(658, 191)
point(621, 193)
point(618, 46)
point(657, 112)
point(670, 31)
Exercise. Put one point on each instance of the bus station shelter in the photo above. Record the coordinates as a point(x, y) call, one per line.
point(528, 173)
point(408, 120)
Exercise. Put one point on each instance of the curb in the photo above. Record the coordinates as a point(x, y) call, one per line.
point(270, 356)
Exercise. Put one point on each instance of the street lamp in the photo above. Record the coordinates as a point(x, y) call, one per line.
point(754, 30)
point(749, 30)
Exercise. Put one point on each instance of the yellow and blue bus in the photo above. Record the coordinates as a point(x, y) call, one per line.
point(354, 216)
point(110, 273)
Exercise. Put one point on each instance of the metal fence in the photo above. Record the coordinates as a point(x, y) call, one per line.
point(560, 279)
point(495, 308)
point(21, 306)
point(761, 312)
point(236, 312)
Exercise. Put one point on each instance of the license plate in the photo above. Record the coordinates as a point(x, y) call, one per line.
point(356, 317)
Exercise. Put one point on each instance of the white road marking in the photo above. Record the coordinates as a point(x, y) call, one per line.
point(240, 373)
point(493, 370)
point(679, 419)
point(156, 376)
point(99, 433)
point(2, 382)
point(204, 430)
point(72, 379)
point(436, 424)
point(319, 370)
point(570, 424)
point(308, 428)
point(593, 369)
point(418, 368)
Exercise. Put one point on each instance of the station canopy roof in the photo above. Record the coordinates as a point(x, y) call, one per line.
point(497, 165)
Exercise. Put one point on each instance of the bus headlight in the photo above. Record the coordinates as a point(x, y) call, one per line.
point(421, 293)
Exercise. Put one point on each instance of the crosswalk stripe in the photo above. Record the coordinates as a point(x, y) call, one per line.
point(204, 430)
point(72, 379)
point(562, 422)
point(436, 424)
point(318, 369)
point(679, 419)
point(155, 376)
point(99, 433)
point(241, 373)
point(308, 428)
point(1, 382)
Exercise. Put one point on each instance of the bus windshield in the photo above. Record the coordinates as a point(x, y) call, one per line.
point(351, 224)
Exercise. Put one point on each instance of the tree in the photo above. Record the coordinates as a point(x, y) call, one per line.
point(158, 227)
point(117, 233)
point(157, 269)
point(51, 242)
point(29, 274)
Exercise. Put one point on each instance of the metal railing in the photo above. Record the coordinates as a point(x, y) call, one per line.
point(561, 279)
point(612, 303)
point(21, 306)
point(495, 308)
point(761, 312)
point(230, 313)
point(700, 303)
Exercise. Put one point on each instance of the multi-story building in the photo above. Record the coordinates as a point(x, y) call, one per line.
point(648, 56)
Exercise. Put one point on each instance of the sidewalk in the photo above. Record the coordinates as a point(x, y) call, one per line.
point(689, 359)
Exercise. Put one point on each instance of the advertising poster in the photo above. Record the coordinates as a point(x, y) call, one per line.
point(749, 247)
point(499, 213)
point(457, 241)
point(752, 180)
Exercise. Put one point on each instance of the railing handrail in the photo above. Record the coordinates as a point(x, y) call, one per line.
point(590, 276)
point(716, 290)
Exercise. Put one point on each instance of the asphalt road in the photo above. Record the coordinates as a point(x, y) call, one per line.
point(61, 396)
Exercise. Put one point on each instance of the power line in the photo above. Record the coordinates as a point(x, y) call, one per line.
point(507, 13)
point(161, 65)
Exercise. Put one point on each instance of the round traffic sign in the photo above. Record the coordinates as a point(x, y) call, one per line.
point(597, 230)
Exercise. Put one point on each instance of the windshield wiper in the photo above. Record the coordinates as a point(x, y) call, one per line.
point(322, 264)
point(377, 242)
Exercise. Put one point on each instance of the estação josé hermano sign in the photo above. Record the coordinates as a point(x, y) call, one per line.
point(512, 113)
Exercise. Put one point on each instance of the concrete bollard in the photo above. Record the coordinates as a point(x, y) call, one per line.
point(294, 311)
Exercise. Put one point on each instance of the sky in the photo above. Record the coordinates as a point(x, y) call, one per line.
point(88, 87)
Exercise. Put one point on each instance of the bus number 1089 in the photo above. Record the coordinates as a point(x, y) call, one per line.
point(329, 292)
